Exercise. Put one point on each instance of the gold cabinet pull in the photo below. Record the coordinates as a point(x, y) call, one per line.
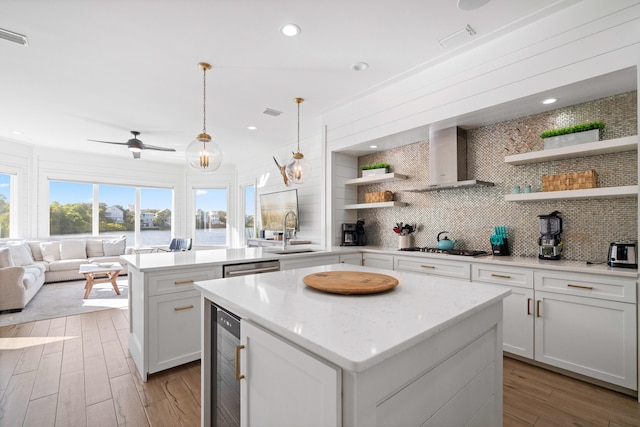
point(538, 308)
point(427, 266)
point(500, 276)
point(238, 376)
point(184, 282)
point(569, 285)
point(186, 307)
point(528, 306)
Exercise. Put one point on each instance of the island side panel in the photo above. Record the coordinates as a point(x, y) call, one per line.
point(137, 324)
point(435, 379)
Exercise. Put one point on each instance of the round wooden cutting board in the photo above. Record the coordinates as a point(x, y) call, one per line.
point(350, 282)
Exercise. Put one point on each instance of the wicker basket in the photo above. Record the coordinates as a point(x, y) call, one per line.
point(380, 196)
point(569, 181)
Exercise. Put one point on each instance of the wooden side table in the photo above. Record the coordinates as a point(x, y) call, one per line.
point(93, 274)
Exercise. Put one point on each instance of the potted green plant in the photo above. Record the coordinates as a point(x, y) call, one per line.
point(571, 135)
point(375, 169)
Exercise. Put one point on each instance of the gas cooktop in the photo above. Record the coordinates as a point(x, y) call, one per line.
point(461, 252)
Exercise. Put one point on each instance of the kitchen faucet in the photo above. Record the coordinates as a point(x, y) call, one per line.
point(284, 228)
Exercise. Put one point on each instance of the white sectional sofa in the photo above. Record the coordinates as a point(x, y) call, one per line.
point(27, 265)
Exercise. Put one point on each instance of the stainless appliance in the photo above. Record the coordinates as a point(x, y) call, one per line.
point(461, 252)
point(246, 268)
point(353, 234)
point(550, 243)
point(623, 254)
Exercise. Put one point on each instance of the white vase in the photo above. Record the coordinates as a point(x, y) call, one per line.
point(369, 172)
point(403, 242)
point(592, 135)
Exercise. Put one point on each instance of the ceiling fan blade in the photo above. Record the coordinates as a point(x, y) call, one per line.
point(136, 154)
point(155, 147)
point(108, 142)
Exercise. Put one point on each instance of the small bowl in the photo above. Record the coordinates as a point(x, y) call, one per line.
point(105, 264)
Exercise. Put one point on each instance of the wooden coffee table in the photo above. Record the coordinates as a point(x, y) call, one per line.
point(94, 273)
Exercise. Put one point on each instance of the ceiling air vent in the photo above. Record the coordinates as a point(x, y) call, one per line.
point(13, 37)
point(272, 112)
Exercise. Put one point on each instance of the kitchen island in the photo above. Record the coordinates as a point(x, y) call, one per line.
point(428, 352)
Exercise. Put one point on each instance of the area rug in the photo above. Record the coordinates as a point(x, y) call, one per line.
point(65, 299)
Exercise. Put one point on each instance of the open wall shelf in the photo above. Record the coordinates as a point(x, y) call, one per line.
point(375, 205)
point(588, 193)
point(374, 179)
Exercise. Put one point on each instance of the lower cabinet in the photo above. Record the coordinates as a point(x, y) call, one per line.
point(434, 267)
point(174, 330)
point(377, 261)
point(355, 259)
point(595, 337)
point(285, 386)
point(316, 260)
point(582, 323)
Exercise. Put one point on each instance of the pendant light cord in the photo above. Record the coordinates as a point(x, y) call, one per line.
point(204, 100)
point(298, 127)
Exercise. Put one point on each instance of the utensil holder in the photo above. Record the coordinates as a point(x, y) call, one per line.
point(403, 242)
point(501, 250)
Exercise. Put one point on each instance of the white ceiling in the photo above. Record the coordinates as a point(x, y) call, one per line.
point(96, 69)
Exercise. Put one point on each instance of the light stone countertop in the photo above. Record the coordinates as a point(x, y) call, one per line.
point(354, 332)
point(167, 260)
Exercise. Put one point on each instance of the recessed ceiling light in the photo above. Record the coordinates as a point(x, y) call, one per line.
point(290, 30)
point(549, 101)
point(361, 66)
point(471, 4)
point(16, 132)
point(373, 146)
point(252, 127)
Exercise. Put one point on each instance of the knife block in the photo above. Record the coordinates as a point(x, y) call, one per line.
point(501, 250)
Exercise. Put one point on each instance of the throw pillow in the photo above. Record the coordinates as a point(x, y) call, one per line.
point(94, 248)
point(50, 251)
point(113, 247)
point(73, 249)
point(35, 250)
point(20, 254)
point(5, 258)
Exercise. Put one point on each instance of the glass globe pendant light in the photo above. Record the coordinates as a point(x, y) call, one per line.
point(204, 155)
point(299, 168)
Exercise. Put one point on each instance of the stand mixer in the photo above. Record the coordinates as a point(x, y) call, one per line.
point(550, 244)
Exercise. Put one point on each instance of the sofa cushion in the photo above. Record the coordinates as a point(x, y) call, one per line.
point(67, 264)
point(5, 258)
point(94, 248)
point(20, 254)
point(38, 267)
point(114, 247)
point(50, 251)
point(73, 249)
point(35, 250)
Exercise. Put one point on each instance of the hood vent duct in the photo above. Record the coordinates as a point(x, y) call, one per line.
point(448, 162)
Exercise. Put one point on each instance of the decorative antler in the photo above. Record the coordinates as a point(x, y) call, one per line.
point(283, 172)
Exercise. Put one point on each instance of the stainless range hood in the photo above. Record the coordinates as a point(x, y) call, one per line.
point(448, 161)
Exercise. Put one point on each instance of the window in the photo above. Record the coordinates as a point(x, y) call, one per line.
point(249, 212)
point(117, 206)
point(155, 216)
point(5, 206)
point(211, 216)
point(70, 208)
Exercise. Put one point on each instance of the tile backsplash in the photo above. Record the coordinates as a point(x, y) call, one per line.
point(470, 214)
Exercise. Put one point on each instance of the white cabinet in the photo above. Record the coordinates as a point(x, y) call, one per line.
point(587, 324)
point(378, 261)
point(308, 261)
point(284, 385)
point(517, 332)
point(434, 267)
point(164, 313)
point(355, 259)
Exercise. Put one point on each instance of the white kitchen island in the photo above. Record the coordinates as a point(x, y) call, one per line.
point(428, 352)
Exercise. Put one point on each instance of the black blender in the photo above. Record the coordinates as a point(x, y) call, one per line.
point(549, 242)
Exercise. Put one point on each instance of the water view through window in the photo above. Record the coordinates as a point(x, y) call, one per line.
point(5, 205)
point(211, 216)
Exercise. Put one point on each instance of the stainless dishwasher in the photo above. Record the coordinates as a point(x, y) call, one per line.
point(246, 268)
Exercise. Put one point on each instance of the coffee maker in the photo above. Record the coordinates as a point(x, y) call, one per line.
point(353, 234)
point(550, 244)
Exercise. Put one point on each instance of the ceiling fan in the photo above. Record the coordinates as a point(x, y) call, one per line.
point(135, 145)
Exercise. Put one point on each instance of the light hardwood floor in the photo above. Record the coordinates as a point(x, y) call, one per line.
point(76, 371)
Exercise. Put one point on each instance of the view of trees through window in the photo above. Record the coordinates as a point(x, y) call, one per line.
point(5, 205)
point(249, 211)
point(71, 211)
point(211, 216)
